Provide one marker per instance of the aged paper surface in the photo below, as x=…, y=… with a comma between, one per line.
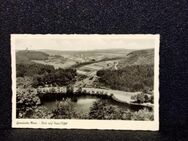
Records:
x=85, y=81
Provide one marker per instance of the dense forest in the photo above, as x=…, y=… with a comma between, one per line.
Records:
x=131, y=78
x=46, y=74
x=32, y=69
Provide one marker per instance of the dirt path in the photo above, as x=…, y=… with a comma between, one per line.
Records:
x=120, y=96
x=115, y=66
x=92, y=71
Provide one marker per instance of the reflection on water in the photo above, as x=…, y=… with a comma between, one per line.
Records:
x=82, y=105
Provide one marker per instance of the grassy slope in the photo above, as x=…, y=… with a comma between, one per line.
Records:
x=139, y=57
x=25, y=57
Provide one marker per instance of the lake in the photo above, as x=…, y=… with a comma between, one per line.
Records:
x=82, y=104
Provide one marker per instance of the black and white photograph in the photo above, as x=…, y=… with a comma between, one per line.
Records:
x=85, y=81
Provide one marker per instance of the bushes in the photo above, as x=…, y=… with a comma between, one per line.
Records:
x=143, y=98
x=24, y=82
x=26, y=101
x=99, y=110
x=41, y=113
x=143, y=114
x=102, y=110
x=131, y=78
x=64, y=110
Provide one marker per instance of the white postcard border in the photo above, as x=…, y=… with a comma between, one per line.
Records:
x=87, y=124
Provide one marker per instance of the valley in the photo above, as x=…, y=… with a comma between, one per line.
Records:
x=127, y=75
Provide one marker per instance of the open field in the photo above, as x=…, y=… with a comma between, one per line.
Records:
x=94, y=67
x=77, y=57
x=57, y=63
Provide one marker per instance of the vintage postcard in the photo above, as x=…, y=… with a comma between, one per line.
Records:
x=85, y=81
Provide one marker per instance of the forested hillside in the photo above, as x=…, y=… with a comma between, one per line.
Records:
x=135, y=72
x=131, y=78
x=41, y=74
x=45, y=74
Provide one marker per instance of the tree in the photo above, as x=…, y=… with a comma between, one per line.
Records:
x=65, y=110
x=141, y=98
x=130, y=78
x=70, y=89
x=79, y=91
x=26, y=101
x=41, y=113
x=143, y=114
x=101, y=110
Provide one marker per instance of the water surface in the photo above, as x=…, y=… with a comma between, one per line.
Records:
x=80, y=104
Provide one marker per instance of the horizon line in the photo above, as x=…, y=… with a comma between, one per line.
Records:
x=84, y=50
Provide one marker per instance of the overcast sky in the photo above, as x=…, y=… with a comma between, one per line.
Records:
x=76, y=43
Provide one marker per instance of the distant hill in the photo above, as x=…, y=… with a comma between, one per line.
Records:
x=118, y=50
x=88, y=55
x=138, y=57
x=27, y=55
